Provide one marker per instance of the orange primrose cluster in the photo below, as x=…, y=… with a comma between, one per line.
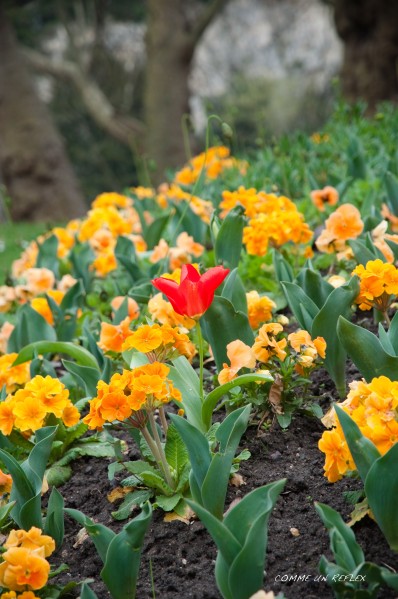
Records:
x=24, y=567
x=212, y=162
x=129, y=395
x=270, y=344
x=378, y=283
x=28, y=408
x=274, y=220
x=373, y=406
x=160, y=343
x=13, y=376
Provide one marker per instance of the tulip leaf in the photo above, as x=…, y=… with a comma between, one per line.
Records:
x=186, y=380
x=366, y=351
x=283, y=271
x=80, y=354
x=315, y=286
x=123, y=557
x=214, y=396
x=235, y=291
x=391, y=183
x=393, y=333
x=87, y=593
x=54, y=522
x=100, y=534
x=325, y=325
x=296, y=298
x=154, y=231
x=30, y=327
x=381, y=488
x=341, y=536
x=221, y=324
x=361, y=252
x=363, y=451
x=228, y=246
x=385, y=340
x=47, y=256
x=85, y=376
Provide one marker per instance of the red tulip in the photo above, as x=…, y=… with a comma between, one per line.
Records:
x=195, y=292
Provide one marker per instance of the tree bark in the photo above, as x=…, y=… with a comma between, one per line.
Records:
x=368, y=29
x=172, y=37
x=33, y=163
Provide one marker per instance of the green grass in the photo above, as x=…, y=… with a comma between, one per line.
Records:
x=14, y=237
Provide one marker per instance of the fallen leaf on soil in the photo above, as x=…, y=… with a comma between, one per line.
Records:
x=44, y=486
x=81, y=536
x=329, y=418
x=275, y=394
x=237, y=480
x=118, y=493
x=186, y=518
x=295, y=532
x=360, y=511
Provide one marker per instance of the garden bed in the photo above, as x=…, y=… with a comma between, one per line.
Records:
x=179, y=557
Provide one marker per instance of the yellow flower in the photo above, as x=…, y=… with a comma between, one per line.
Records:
x=259, y=308
x=240, y=356
x=145, y=339
x=31, y=539
x=23, y=567
x=338, y=457
x=13, y=376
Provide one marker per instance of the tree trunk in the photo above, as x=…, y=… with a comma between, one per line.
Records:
x=33, y=163
x=169, y=56
x=368, y=29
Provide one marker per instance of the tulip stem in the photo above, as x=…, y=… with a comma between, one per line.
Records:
x=201, y=358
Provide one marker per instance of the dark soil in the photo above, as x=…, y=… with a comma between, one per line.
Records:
x=178, y=558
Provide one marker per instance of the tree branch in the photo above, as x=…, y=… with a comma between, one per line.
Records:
x=208, y=14
x=123, y=128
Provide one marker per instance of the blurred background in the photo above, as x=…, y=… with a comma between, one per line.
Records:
x=97, y=95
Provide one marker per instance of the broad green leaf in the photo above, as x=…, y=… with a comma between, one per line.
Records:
x=232, y=428
x=123, y=558
x=57, y=475
x=80, y=354
x=228, y=244
x=186, y=380
x=221, y=324
x=101, y=535
x=235, y=292
x=72, y=298
x=5, y=511
x=391, y=182
x=126, y=256
x=366, y=351
x=325, y=325
x=393, y=333
x=47, y=256
x=363, y=451
x=347, y=542
x=361, y=252
x=131, y=501
x=214, y=396
x=283, y=270
x=85, y=376
x=54, y=522
x=175, y=450
x=155, y=230
x=156, y=481
x=356, y=159
x=296, y=298
x=87, y=593
x=385, y=340
x=197, y=446
x=226, y=542
x=315, y=286
x=167, y=504
x=381, y=488
x=30, y=327
x=81, y=257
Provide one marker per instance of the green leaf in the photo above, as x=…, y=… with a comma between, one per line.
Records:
x=361, y=252
x=366, y=351
x=325, y=324
x=155, y=230
x=385, y=340
x=381, y=488
x=226, y=542
x=155, y=481
x=101, y=535
x=126, y=256
x=80, y=354
x=47, y=256
x=296, y=298
x=30, y=327
x=283, y=270
x=5, y=512
x=184, y=377
x=58, y=475
x=391, y=182
x=87, y=593
x=197, y=445
x=221, y=324
x=167, y=504
x=235, y=292
x=228, y=244
x=315, y=286
x=348, y=554
x=175, y=450
x=393, y=333
x=120, y=571
x=54, y=522
x=363, y=451
x=214, y=396
x=85, y=376
x=130, y=502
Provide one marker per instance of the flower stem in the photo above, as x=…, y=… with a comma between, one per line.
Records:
x=163, y=420
x=387, y=319
x=201, y=357
x=163, y=460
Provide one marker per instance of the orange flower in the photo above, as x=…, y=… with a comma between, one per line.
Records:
x=328, y=195
x=133, y=310
x=115, y=406
x=266, y=345
x=23, y=567
x=259, y=309
x=113, y=336
x=240, y=356
x=5, y=482
x=338, y=457
x=41, y=305
x=29, y=414
x=70, y=415
x=39, y=280
x=31, y=539
x=145, y=339
x=13, y=376
x=7, y=418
